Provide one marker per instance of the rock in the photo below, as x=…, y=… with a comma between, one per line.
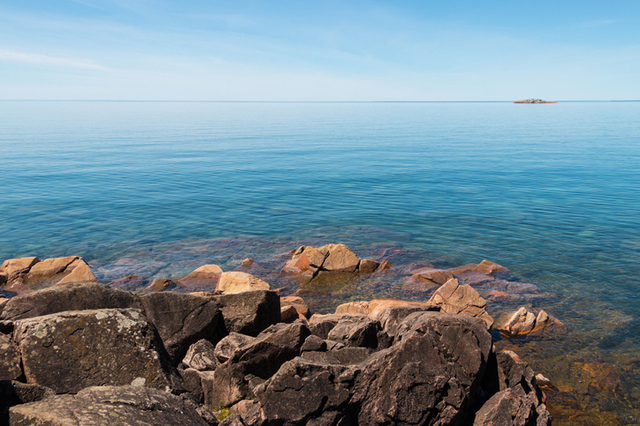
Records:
x=461, y=299
x=288, y=314
x=261, y=358
x=51, y=269
x=248, y=265
x=80, y=272
x=230, y=344
x=249, y=312
x=313, y=343
x=368, y=266
x=14, y=393
x=68, y=297
x=384, y=266
x=183, y=319
x=239, y=282
x=338, y=355
x=232, y=420
x=131, y=282
x=544, y=382
x=526, y=321
x=332, y=258
x=302, y=391
x=512, y=406
x=115, y=405
x=69, y=351
x=9, y=359
x=192, y=379
x=13, y=269
x=201, y=356
x=297, y=302
x=429, y=377
x=205, y=277
x=160, y=284
x=356, y=331
x=534, y=101
x=375, y=309
x=427, y=278
x=249, y=411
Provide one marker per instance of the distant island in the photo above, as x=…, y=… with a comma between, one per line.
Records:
x=533, y=101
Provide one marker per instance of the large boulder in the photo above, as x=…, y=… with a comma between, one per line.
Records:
x=72, y=350
x=14, y=393
x=112, y=405
x=459, y=299
x=182, y=320
x=253, y=363
x=68, y=297
x=239, y=282
x=430, y=376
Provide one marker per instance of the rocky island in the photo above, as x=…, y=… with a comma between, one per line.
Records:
x=225, y=348
x=534, y=101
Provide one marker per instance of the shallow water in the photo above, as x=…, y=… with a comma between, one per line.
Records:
x=550, y=191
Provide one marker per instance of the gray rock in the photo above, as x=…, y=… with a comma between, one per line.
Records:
x=513, y=407
x=321, y=325
x=112, y=405
x=9, y=359
x=261, y=358
x=14, y=393
x=68, y=297
x=228, y=345
x=69, y=351
x=182, y=320
x=314, y=343
x=430, y=376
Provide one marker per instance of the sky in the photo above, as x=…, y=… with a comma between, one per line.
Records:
x=253, y=50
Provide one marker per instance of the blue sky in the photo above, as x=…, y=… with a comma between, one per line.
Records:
x=326, y=50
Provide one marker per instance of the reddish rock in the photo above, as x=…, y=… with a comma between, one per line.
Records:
x=462, y=300
x=368, y=266
x=384, y=266
x=80, y=272
x=307, y=262
x=239, y=282
x=288, y=314
x=131, y=282
x=527, y=321
x=13, y=269
x=297, y=302
x=205, y=277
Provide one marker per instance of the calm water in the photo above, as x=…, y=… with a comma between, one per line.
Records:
x=550, y=191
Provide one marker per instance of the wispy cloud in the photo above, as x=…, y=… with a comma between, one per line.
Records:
x=35, y=58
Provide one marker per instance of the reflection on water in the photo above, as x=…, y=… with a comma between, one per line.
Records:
x=158, y=189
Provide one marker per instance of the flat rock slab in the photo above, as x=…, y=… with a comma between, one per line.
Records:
x=70, y=351
x=68, y=297
x=108, y=405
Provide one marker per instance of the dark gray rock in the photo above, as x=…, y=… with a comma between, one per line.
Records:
x=68, y=297
x=430, y=376
x=69, y=351
x=261, y=358
x=228, y=345
x=249, y=312
x=513, y=407
x=9, y=359
x=182, y=320
x=112, y=405
x=339, y=356
x=193, y=382
x=201, y=356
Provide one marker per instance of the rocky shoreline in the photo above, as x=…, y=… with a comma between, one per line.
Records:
x=219, y=347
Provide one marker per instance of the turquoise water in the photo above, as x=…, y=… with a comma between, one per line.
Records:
x=550, y=191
